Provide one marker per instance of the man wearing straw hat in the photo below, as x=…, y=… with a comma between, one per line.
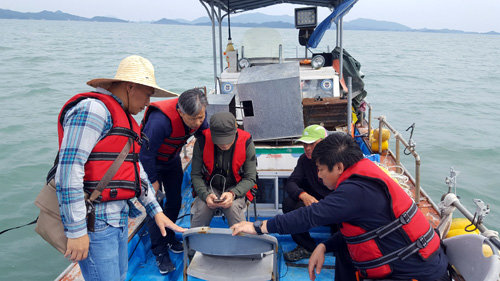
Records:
x=168, y=124
x=94, y=129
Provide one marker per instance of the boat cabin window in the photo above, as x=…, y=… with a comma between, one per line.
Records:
x=317, y=88
x=270, y=194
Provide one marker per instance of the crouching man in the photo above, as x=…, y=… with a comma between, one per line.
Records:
x=370, y=206
x=223, y=171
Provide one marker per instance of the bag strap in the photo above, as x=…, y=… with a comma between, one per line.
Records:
x=110, y=173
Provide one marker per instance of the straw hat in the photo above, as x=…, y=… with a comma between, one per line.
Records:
x=135, y=69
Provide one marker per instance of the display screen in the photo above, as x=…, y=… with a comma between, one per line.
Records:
x=305, y=17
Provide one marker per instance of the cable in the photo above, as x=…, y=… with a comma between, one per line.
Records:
x=16, y=227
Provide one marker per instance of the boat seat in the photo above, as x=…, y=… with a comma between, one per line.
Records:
x=221, y=256
x=465, y=253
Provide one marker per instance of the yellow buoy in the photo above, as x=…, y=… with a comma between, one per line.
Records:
x=386, y=134
x=374, y=145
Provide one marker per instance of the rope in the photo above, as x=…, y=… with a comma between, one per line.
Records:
x=400, y=177
x=16, y=227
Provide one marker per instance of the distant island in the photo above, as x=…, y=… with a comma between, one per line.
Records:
x=243, y=20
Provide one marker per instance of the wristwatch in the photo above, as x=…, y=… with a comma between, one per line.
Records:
x=257, y=225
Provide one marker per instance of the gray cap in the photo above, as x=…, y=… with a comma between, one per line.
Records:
x=222, y=127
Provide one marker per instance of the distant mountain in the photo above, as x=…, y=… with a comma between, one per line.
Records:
x=241, y=20
x=47, y=15
x=167, y=21
x=106, y=19
x=368, y=24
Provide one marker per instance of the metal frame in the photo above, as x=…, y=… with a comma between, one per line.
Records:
x=238, y=6
x=217, y=241
x=399, y=139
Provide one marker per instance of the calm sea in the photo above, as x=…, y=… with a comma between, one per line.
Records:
x=445, y=83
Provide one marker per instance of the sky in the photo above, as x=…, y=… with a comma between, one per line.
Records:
x=476, y=15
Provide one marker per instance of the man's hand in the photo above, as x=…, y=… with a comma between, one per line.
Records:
x=227, y=198
x=210, y=201
x=77, y=249
x=162, y=221
x=316, y=261
x=244, y=226
x=156, y=186
x=307, y=199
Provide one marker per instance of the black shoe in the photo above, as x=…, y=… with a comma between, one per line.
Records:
x=175, y=246
x=297, y=254
x=164, y=263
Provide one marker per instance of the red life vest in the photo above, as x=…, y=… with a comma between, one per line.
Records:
x=239, y=155
x=409, y=220
x=126, y=182
x=173, y=144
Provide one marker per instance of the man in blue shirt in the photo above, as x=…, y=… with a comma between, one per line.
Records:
x=168, y=124
x=365, y=199
x=87, y=130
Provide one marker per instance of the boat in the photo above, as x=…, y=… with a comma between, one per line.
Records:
x=265, y=92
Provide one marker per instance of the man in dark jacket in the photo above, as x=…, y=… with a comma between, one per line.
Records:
x=168, y=124
x=305, y=188
x=366, y=200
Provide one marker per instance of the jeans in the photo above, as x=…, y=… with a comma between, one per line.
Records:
x=108, y=254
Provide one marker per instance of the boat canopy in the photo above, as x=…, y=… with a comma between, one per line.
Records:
x=337, y=14
x=238, y=6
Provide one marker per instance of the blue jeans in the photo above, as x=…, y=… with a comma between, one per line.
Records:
x=108, y=254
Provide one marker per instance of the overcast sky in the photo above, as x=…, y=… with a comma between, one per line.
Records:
x=477, y=15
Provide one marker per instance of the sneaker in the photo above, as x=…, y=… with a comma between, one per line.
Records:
x=297, y=254
x=175, y=247
x=164, y=263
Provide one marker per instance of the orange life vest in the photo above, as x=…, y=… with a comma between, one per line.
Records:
x=409, y=220
x=173, y=144
x=239, y=155
x=126, y=183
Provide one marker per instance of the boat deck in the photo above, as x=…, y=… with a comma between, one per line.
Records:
x=142, y=263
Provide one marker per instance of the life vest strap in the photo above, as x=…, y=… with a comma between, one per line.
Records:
x=111, y=184
x=126, y=132
x=401, y=254
x=180, y=138
x=385, y=230
x=111, y=156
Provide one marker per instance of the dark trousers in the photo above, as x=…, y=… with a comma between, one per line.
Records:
x=171, y=180
x=303, y=239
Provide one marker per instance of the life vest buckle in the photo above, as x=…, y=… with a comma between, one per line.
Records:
x=113, y=193
x=405, y=218
x=422, y=242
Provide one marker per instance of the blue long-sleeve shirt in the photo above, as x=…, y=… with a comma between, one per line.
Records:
x=157, y=129
x=360, y=202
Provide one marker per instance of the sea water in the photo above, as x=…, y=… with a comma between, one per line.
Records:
x=447, y=84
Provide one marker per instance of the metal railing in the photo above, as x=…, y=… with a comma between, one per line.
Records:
x=399, y=140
